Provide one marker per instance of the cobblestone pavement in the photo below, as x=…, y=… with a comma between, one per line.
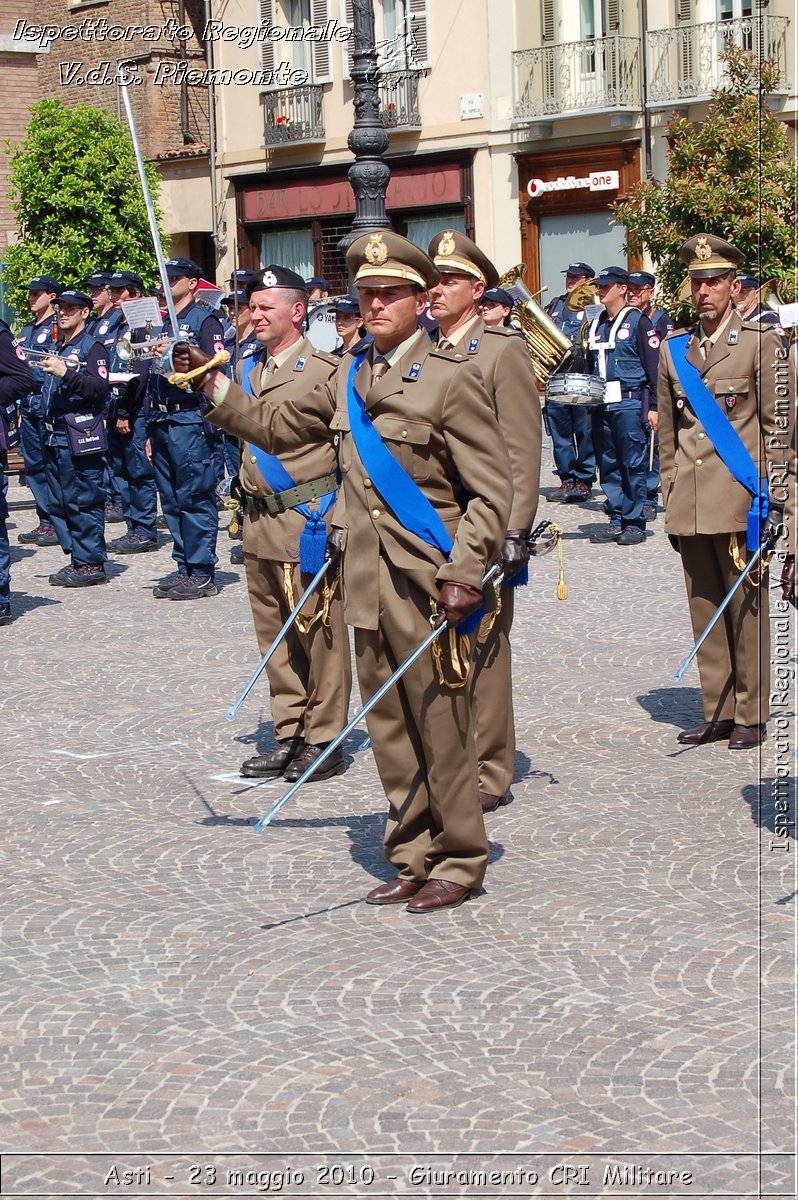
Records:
x=177, y=985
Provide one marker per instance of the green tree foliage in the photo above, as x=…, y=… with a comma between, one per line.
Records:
x=77, y=199
x=733, y=176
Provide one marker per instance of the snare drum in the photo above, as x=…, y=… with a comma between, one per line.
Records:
x=574, y=389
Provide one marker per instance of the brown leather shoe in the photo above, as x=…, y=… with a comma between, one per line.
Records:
x=745, y=737
x=439, y=893
x=335, y=764
x=262, y=766
x=490, y=802
x=395, y=892
x=710, y=731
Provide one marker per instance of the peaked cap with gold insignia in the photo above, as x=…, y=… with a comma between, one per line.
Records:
x=388, y=256
x=455, y=254
x=706, y=255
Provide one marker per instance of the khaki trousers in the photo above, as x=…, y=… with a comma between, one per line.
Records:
x=423, y=742
x=310, y=675
x=734, y=662
x=492, y=702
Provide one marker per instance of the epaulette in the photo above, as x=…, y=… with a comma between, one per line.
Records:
x=501, y=330
x=331, y=359
x=449, y=355
x=757, y=326
x=678, y=332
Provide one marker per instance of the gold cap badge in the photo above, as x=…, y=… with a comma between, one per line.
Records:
x=703, y=250
x=375, y=251
x=446, y=244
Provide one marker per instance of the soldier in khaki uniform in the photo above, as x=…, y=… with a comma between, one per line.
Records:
x=310, y=674
x=746, y=370
x=509, y=378
x=435, y=419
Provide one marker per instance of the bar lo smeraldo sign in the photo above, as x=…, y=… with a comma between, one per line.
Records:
x=596, y=181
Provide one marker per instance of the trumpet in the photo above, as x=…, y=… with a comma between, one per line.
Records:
x=71, y=359
x=130, y=351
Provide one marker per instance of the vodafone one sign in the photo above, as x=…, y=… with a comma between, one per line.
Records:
x=597, y=181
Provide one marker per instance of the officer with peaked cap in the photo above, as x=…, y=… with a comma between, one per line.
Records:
x=508, y=375
x=76, y=393
x=40, y=334
x=725, y=382
x=287, y=505
x=569, y=425
x=182, y=449
x=435, y=422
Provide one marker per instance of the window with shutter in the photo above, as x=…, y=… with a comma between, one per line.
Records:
x=266, y=16
x=322, y=51
x=548, y=21
x=548, y=25
x=418, y=12
x=684, y=17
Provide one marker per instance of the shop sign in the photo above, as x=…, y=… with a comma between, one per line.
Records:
x=410, y=187
x=596, y=181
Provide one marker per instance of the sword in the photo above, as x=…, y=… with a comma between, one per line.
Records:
x=491, y=575
x=295, y=611
x=754, y=559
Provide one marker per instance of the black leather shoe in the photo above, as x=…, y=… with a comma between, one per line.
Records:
x=631, y=536
x=610, y=533
x=262, y=766
x=5, y=614
x=710, y=731
x=334, y=765
x=746, y=737
x=490, y=802
x=395, y=892
x=237, y=556
x=439, y=893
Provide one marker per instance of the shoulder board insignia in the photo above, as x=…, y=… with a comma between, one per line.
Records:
x=299, y=365
x=732, y=340
x=473, y=345
x=415, y=369
x=328, y=357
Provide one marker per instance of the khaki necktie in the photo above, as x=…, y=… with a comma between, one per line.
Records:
x=379, y=367
x=271, y=367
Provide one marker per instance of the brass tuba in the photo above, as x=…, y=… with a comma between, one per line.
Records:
x=548, y=346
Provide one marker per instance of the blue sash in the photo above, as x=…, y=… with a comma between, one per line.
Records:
x=313, y=542
x=724, y=437
x=402, y=495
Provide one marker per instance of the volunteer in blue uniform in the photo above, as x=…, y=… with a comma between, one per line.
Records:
x=76, y=393
x=182, y=450
x=105, y=325
x=40, y=335
x=750, y=309
x=569, y=425
x=127, y=432
x=349, y=327
x=624, y=350
x=16, y=380
x=640, y=294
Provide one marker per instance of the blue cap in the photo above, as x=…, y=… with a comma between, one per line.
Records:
x=347, y=305
x=237, y=297
x=748, y=281
x=45, y=283
x=126, y=279
x=579, y=268
x=242, y=275
x=499, y=296
x=99, y=279
x=317, y=281
x=72, y=296
x=608, y=275
x=177, y=268
x=642, y=278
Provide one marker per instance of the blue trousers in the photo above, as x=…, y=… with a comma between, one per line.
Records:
x=621, y=441
x=5, y=549
x=572, y=442
x=31, y=445
x=185, y=473
x=77, y=501
x=135, y=477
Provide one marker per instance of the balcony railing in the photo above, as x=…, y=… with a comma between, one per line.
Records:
x=684, y=62
x=599, y=73
x=293, y=115
x=399, y=100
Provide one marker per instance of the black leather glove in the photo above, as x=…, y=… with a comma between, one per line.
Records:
x=674, y=541
x=788, y=581
x=515, y=552
x=774, y=523
x=456, y=601
x=335, y=545
x=187, y=358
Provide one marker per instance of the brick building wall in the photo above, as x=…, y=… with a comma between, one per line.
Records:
x=19, y=73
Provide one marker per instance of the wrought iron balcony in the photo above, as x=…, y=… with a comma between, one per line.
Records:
x=399, y=100
x=575, y=77
x=684, y=62
x=293, y=115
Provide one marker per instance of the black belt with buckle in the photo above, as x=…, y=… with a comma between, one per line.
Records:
x=281, y=502
x=171, y=408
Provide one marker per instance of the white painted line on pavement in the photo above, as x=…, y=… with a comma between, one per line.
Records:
x=242, y=781
x=117, y=753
